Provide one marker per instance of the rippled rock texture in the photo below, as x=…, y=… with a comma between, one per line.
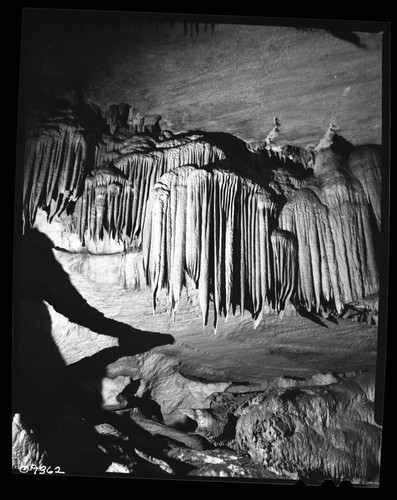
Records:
x=324, y=431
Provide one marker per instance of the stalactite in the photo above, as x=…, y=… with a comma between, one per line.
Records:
x=284, y=267
x=174, y=152
x=350, y=226
x=113, y=192
x=143, y=161
x=365, y=163
x=171, y=198
x=307, y=218
x=178, y=258
x=242, y=211
x=301, y=155
x=213, y=222
x=103, y=205
x=194, y=222
x=157, y=236
x=204, y=272
x=143, y=164
x=229, y=245
x=166, y=218
x=113, y=118
x=264, y=269
x=100, y=194
x=54, y=167
x=330, y=219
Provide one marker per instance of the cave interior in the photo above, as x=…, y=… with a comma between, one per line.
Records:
x=201, y=232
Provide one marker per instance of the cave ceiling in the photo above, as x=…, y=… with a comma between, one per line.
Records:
x=211, y=74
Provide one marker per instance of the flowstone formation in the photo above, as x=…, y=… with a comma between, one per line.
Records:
x=330, y=217
x=56, y=157
x=253, y=228
x=245, y=230
x=215, y=226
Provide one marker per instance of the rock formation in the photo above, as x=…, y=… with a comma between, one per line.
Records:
x=216, y=226
x=330, y=217
x=365, y=164
x=56, y=158
x=320, y=430
x=239, y=228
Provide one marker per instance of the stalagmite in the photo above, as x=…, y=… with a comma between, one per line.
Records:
x=327, y=140
x=273, y=134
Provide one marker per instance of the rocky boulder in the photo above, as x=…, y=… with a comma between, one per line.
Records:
x=313, y=432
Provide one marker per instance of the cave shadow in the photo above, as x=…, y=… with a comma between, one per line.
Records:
x=348, y=36
x=84, y=414
x=154, y=445
x=310, y=315
x=237, y=148
x=37, y=362
x=42, y=383
x=255, y=166
x=43, y=278
x=40, y=279
x=228, y=142
x=73, y=442
x=342, y=34
x=69, y=432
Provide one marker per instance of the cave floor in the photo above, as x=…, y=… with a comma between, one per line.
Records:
x=293, y=346
x=242, y=357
